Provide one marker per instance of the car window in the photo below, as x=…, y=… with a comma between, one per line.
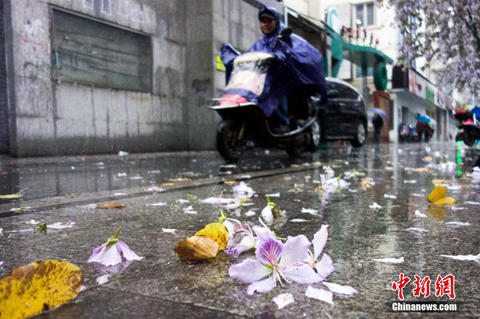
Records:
x=344, y=92
x=347, y=93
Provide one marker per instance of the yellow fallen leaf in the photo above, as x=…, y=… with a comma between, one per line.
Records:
x=439, y=181
x=437, y=211
x=180, y=179
x=427, y=158
x=244, y=200
x=30, y=289
x=420, y=170
x=229, y=182
x=217, y=232
x=437, y=193
x=437, y=196
x=14, y=196
x=110, y=205
x=196, y=248
x=366, y=183
x=167, y=184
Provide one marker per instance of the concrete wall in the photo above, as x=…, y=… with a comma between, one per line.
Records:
x=49, y=117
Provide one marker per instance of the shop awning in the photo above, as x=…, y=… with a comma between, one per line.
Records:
x=357, y=54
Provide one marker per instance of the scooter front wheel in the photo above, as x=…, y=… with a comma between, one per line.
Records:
x=230, y=140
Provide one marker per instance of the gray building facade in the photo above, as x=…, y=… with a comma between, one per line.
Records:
x=99, y=76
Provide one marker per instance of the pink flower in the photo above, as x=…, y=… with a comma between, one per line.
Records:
x=278, y=262
x=113, y=252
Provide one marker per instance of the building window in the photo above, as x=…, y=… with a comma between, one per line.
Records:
x=89, y=52
x=358, y=71
x=365, y=14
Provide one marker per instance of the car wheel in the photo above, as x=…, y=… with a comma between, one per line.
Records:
x=360, y=135
x=230, y=141
x=314, y=136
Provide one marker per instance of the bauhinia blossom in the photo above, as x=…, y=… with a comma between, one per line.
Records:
x=113, y=252
x=277, y=262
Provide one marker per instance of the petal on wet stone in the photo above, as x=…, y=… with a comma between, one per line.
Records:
x=249, y=270
x=295, y=250
x=340, y=289
x=319, y=294
x=319, y=241
x=325, y=266
x=302, y=273
x=126, y=252
x=261, y=286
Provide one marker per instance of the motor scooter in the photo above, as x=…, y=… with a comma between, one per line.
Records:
x=469, y=125
x=243, y=122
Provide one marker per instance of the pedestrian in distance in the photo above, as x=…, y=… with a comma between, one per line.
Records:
x=377, y=122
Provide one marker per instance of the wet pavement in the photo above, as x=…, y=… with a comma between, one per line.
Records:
x=161, y=286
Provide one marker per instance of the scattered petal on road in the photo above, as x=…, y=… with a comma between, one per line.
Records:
x=158, y=204
x=103, y=279
x=390, y=260
x=182, y=201
x=168, y=230
x=309, y=211
x=417, y=229
x=319, y=294
x=463, y=257
x=339, y=289
x=250, y=213
x=458, y=224
x=420, y=214
x=390, y=196
x=273, y=195
x=375, y=206
x=299, y=220
x=472, y=203
x=60, y=225
x=283, y=300
x=32, y=222
x=458, y=208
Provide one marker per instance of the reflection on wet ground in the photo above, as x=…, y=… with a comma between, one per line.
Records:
x=404, y=225
x=74, y=175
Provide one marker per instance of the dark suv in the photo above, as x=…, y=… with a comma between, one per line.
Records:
x=344, y=116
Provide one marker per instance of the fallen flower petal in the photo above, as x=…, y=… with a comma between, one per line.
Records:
x=309, y=211
x=261, y=286
x=60, y=225
x=242, y=190
x=458, y=224
x=319, y=294
x=250, y=213
x=160, y=204
x=298, y=220
x=168, y=230
x=283, y=300
x=417, y=229
x=375, y=206
x=389, y=196
x=390, y=260
x=32, y=222
x=182, y=201
x=102, y=279
x=277, y=195
x=420, y=214
x=472, y=203
x=339, y=289
x=463, y=257
x=113, y=252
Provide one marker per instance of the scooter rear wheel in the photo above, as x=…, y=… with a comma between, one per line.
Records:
x=230, y=141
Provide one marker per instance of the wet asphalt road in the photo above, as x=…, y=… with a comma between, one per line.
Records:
x=161, y=286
